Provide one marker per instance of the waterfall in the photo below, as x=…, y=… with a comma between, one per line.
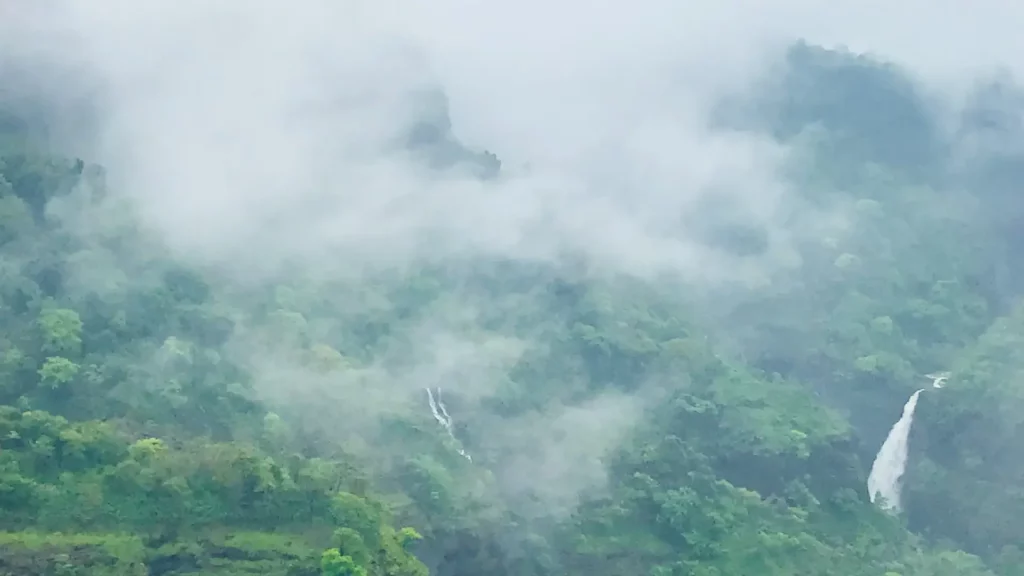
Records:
x=939, y=379
x=440, y=412
x=886, y=475
x=891, y=461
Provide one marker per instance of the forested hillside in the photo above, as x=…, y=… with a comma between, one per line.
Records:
x=474, y=415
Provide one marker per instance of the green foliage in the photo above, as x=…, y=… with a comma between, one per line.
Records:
x=61, y=331
x=57, y=372
x=31, y=553
x=973, y=463
x=334, y=564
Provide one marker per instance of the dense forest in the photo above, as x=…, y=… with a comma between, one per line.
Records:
x=483, y=416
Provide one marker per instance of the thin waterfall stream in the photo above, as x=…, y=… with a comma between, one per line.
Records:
x=440, y=413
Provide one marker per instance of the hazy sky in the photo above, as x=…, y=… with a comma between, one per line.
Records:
x=257, y=127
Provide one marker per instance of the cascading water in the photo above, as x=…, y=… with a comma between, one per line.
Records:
x=891, y=461
x=939, y=378
x=440, y=412
x=885, y=479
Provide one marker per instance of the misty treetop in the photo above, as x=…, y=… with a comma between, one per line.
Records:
x=163, y=416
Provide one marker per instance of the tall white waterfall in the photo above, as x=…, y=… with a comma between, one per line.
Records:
x=885, y=479
x=891, y=461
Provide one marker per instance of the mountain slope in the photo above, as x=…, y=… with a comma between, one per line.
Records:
x=163, y=417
